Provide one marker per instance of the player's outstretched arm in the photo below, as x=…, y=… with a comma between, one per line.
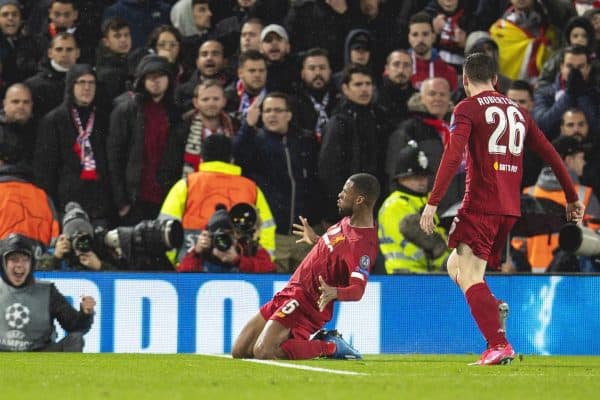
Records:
x=305, y=231
x=575, y=211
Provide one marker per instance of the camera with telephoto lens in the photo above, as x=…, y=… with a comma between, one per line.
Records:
x=77, y=227
x=149, y=237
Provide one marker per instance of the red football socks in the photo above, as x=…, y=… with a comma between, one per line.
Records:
x=300, y=349
x=484, y=308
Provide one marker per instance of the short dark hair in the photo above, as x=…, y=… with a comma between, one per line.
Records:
x=114, y=24
x=207, y=83
x=280, y=95
x=479, y=67
x=194, y=2
x=352, y=69
x=403, y=51
x=64, y=36
x=217, y=147
x=520, y=84
x=367, y=185
x=254, y=20
x=315, y=52
x=575, y=50
x=573, y=110
x=253, y=55
x=71, y=2
x=421, y=17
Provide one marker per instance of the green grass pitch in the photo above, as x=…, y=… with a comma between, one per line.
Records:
x=185, y=376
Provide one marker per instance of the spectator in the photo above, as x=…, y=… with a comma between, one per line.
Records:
x=426, y=61
x=452, y=22
x=192, y=200
x=139, y=127
x=19, y=51
x=540, y=249
x=282, y=160
x=428, y=128
x=19, y=198
x=183, y=151
x=482, y=42
x=397, y=87
x=63, y=16
x=17, y=117
x=574, y=86
x=228, y=30
x=359, y=48
x=164, y=41
x=355, y=137
x=404, y=246
x=375, y=17
x=320, y=23
x=112, y=69
x=574, y=123
x=578, y=32
x=48, y=85
x=281, y=69
x=222, y=247
x=528, y=24
x=21, y=294
x=521, y=92
x=594, y=16
x=70, y=152
x=143, y=16
x=250, y=86
x=249, y=40
x=315, y=94
x=210, y=65
x=203, y=32
x=190, y=17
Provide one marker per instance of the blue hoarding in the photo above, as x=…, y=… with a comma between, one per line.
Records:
x=203, y=313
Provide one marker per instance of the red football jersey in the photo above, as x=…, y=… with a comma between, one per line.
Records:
x=343, y=252
x=496, y=131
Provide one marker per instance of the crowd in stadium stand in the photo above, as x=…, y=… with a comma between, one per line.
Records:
x=108, y=104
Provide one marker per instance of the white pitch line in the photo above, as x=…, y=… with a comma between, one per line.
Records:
x=294, y=366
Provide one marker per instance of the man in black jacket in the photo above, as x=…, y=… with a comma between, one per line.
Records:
x=355, y=137
x=70, y=155
x=48, y=85
x=17, y=117
x=139, y=127
x=315, y=95
x=396, y=88
x=32, y=306
x=19, y=52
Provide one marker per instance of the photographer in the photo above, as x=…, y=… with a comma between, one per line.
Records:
x=76, y=248
x=228, y=244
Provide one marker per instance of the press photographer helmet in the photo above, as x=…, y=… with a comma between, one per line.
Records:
x=76, y=225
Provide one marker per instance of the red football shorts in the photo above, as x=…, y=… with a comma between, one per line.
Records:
x=291, y=308
x=485, y=234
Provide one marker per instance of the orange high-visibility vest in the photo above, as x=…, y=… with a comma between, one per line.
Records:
x=540, y=248
x=27, y=210
x=206, y=189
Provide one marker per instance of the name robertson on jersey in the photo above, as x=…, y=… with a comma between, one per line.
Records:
x=487, y=100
